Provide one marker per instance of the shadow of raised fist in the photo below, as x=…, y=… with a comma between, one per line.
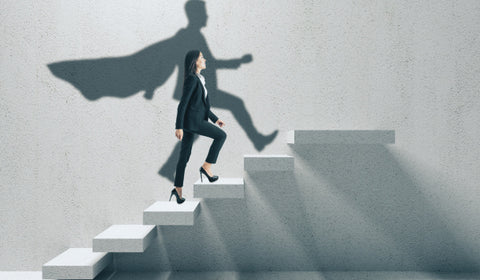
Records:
x=246, y=58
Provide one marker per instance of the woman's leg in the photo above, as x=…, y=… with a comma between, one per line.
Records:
x=185, y=151
x=169, y=167
x=218, y=135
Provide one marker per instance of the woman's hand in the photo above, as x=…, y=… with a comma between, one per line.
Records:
x=220, y=123
x=179, y=133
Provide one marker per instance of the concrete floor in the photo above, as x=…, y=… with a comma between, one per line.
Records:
x=268, y=275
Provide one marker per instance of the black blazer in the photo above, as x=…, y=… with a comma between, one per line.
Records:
x=193, y=108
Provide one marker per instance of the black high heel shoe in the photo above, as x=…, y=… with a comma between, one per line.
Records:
x=211, y=179
x=179, y=200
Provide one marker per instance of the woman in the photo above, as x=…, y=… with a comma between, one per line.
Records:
x=192, y=117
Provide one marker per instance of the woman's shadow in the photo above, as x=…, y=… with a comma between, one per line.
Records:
x=152, y=66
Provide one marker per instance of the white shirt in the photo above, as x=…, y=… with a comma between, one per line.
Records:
x=202, y=79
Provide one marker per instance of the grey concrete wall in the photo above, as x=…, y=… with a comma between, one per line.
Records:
x=79, y=154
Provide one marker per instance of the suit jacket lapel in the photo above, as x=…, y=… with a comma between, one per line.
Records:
x=207, y=102
x=203, y=91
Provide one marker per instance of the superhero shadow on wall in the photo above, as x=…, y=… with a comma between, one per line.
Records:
x=152, y=66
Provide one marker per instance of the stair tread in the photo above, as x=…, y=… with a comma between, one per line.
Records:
x=221, y=181
x=172, y=206
x=124, y=238
x=341, y=137
x=126, y=232
x=77, y=257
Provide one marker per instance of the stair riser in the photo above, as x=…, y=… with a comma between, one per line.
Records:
x=219, y=191
x=170, y=219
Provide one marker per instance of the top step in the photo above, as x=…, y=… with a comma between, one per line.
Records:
x=299, y=137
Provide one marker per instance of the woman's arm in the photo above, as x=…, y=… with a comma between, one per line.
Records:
x=212, y=116
x=188, y=87
x=215, y=119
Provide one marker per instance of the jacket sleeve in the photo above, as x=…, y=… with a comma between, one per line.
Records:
x=212, y=116
x=188, y=87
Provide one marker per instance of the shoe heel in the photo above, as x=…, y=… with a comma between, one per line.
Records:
x=210, y=179
x=201, y=178
x=179, y=200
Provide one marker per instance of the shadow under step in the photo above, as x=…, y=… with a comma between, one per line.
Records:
x=171, y=213
x=222, y=188
x=125, y=239
x=76, y=263
x=341, y=137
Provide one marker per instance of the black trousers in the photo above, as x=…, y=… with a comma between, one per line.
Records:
x=206, y=129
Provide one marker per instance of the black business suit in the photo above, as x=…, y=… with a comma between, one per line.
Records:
x=192, y=116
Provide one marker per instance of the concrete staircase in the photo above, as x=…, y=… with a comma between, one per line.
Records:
x=87, y=263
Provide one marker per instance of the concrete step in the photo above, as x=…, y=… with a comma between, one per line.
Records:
x=125, y=238
x=222, y=188
x=268, y=163
x=171, y=213
x=76, y=263
x=341, y=137
x=21, y=275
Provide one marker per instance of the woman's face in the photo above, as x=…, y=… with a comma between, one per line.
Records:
x=201, y=63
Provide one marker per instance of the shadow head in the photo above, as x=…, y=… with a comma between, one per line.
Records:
x=196, y=13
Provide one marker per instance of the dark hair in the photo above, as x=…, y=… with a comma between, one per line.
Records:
x=191, y=62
